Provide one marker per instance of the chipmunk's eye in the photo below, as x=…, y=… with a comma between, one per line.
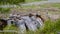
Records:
x=11, y=22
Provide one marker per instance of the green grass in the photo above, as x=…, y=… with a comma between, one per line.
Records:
x=12, y=27
x=32, y=0
x=50, y=27
x=56, y=5
x=4, y=10
x=51, y=5
x=32, y=7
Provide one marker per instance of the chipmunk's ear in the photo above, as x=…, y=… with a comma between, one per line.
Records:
x=37, y=15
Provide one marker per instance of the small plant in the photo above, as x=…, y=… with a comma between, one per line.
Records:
x=11, y=1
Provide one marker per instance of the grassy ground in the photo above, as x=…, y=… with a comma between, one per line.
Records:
x=57, y=5
x=53, y=6
x=50, y=27
x=31, y=0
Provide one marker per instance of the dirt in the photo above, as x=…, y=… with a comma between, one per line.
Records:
x=45, y=13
